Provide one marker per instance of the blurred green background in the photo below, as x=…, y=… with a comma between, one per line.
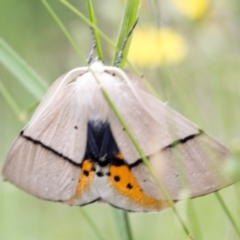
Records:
x=204, y=86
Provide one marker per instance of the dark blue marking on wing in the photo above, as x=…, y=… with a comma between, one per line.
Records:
x=101, y=146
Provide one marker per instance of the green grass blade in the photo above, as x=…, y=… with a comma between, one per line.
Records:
x=192, y=219
x=95, y=32
x=87, y=21
x=22, y=71
x=65, y=31
x=21, y=114
x=130, y=17
x=156, y=10
x=9, y=99
x=228, y=214
x=93, y=225
x=123, y=224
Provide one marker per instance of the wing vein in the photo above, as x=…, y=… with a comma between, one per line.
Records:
x=39, y=143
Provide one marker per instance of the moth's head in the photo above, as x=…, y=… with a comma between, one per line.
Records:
x=97, y=66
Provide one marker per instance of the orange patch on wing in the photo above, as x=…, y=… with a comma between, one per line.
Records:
x=119, y=156
x=123, y=180
x=85, y=179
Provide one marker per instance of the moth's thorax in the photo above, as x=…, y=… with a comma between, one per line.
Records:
x=89, y=93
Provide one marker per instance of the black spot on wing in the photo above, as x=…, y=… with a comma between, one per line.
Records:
x=116, y=178
x=100, y=174
x=86, y=173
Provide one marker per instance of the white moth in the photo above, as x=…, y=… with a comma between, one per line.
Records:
x=74, y=149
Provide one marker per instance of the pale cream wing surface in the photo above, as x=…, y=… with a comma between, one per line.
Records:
x=40, y=172
x=62, y=126
x=153, y=124
x=182, y=156
x=56, y=87
x=44, y=160
x=195, y=167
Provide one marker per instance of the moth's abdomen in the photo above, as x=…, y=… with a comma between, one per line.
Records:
x=106, y=174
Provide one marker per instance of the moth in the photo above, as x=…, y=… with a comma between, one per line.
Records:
x=74, y=150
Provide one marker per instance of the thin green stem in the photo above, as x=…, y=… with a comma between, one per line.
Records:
x=22, y=71
x=156, y=9
x=123, y=224
x=95, y=32
x=97, y=232
x=193, y=219
x=10, y=100
x=86, y=20
x=127, y=225
x=129, y=18
x=228, y=214
x=66, y=33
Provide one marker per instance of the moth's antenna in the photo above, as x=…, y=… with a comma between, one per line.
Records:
x=90, y=56
x=120, y=55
